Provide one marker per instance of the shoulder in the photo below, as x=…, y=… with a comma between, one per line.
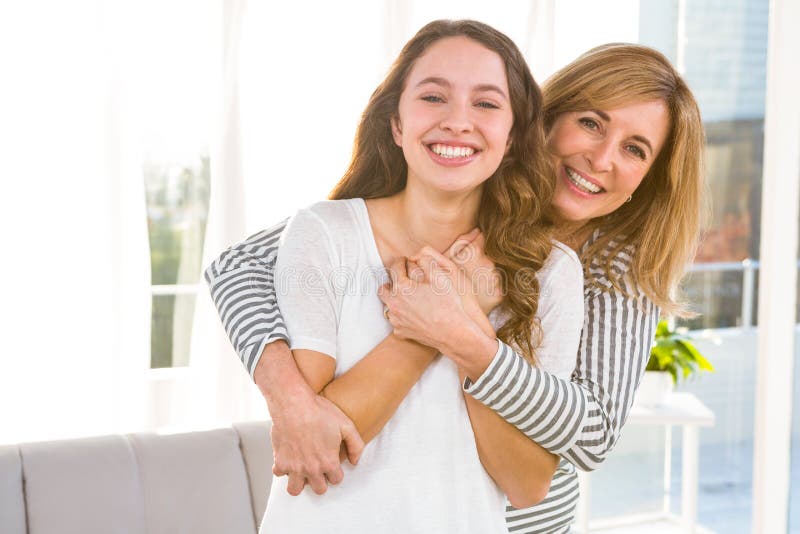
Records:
x=329, y=219
x=329, y=233
x=608, y=263
x=562, y=264
x=328, y=212
x=611, y=248
x=561, y=282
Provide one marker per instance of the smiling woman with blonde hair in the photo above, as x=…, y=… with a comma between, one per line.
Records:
x=663, y=217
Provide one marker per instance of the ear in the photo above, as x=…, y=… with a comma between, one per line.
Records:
x=397, y=131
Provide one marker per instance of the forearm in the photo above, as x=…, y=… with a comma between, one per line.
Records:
x=279, y=380
x=473, y=344
x=579, y=419
x=310, y=436
x=520, y=467
x=370, y=392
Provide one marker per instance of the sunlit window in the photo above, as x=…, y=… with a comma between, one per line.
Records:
x=176, y=90
x=177, y=210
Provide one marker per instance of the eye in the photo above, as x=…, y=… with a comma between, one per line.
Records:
x=487, y=105
x=636, y=151
x=589, y=123
x=433, y=99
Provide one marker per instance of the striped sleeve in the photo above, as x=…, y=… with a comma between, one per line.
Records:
x=579, y=419
x=555, y=513
x=242, y=286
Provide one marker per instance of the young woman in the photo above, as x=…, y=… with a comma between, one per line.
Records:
x=450, y=140
x=614, y=197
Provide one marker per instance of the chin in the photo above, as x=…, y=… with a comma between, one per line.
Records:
x=458, y=187
x=570, y=213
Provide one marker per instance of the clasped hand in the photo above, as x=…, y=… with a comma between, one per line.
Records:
x=433, y=297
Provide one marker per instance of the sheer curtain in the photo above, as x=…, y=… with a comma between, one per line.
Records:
x=75, y=253
x=220, y=390
x=288, y=88
x=292, y=88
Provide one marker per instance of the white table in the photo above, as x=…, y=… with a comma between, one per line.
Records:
x=682, y=409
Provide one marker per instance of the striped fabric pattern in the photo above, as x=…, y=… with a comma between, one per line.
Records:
x=579, y=419
x=243, y=289
x=555, y=513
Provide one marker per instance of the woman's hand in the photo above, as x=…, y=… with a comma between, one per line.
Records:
x=427, y=302
x=309, y=432
x=483, y=280
x=423, y=300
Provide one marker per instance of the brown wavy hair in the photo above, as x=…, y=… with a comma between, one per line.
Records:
x=511, y=213
x=662, y=222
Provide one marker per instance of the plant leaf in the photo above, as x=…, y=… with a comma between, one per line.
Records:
x=674, y=374
x=695, y=354
x=662, y=330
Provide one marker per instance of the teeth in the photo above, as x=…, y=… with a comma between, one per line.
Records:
x=581, y=182
x=452, y=151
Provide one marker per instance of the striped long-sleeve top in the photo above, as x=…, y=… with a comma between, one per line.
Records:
x=578, y=419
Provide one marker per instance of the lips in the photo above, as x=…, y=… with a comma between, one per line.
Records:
x=582, y=183
x=450, y=151
x=452, y=154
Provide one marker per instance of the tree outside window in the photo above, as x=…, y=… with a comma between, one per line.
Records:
x=177, y=211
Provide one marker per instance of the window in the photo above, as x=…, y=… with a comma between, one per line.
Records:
x=175, y=90
x=177, y=209
x=721, y=50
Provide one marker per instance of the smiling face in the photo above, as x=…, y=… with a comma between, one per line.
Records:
x=601, y=156
x=454, y=116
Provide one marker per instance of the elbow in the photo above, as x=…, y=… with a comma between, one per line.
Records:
x=529, y=494
x=588, y=468
x=588, y=465
x=533, y=488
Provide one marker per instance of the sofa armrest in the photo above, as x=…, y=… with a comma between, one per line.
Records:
x=12, y=500
x=254, y=440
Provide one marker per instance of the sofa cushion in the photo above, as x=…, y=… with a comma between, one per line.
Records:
x=82, y=486
x=12, y=502
x=194, y=483
x=257, y=453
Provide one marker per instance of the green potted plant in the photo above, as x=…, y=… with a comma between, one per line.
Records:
x=673, y=357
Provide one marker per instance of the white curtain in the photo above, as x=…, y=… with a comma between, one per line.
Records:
x=75, y=254
x=276, y=104
x=286, y=87
x=221, y=391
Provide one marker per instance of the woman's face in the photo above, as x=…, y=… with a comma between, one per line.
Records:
x=454, y=116
x=601, y=156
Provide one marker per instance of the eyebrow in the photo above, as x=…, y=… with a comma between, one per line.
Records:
x=603, y=115
x=480, y=87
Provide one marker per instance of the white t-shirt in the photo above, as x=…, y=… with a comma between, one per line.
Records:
x=422, y=472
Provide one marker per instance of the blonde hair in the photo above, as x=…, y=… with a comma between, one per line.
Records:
x=662, y=222
x=522, y=184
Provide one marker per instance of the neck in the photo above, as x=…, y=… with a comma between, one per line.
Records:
x=572, y=233
x=434, y=218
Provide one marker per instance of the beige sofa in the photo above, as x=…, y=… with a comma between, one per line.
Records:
x=211, y=482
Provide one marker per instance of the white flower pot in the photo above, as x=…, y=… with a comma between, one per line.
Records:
x=655, y=389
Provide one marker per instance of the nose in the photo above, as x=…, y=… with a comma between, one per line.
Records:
x=456, y=118
x=600, y=156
